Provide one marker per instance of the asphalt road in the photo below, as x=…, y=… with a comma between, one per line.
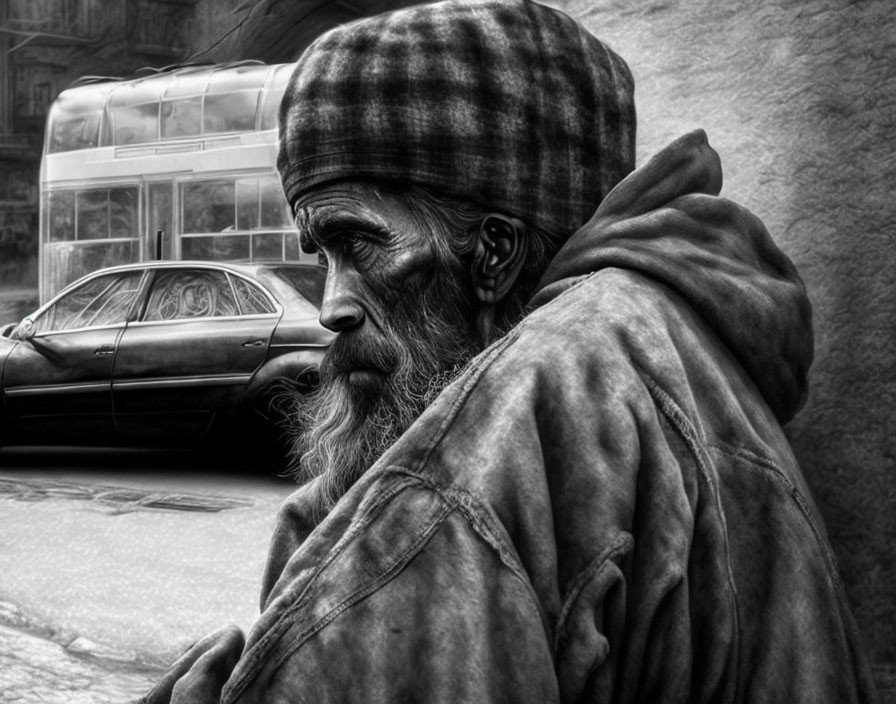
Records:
x=114, y=562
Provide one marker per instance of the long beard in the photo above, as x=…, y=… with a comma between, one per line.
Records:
x=341, y=429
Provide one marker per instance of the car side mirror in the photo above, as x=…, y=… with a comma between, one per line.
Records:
x=25, y=330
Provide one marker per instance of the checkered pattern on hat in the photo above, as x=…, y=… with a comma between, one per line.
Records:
x=506, y=103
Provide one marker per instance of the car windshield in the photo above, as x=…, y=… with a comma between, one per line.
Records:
x=307, y=280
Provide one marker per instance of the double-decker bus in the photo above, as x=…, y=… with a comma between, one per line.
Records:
x=178, y=164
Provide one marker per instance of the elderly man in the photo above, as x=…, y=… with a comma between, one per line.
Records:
x=598, y=502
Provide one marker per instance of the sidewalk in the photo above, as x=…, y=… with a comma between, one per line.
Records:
x=105, y=578
x=36, y=670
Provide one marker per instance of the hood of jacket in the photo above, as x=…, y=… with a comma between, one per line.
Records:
x=666, y=220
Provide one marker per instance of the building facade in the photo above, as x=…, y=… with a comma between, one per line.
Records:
x=44, y=46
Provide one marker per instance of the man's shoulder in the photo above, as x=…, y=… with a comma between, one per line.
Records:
x=620, y=317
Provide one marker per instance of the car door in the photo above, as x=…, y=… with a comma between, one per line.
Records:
x=190, y=354
x=57, y=381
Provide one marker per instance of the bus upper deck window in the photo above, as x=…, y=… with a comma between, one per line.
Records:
x=272, y=95
x=181, y=118
x=135, y=124
x=75, y=118
x=70, y=132
x=230, y=112
x=270, y=108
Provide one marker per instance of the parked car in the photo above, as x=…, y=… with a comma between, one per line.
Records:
x=161, y=353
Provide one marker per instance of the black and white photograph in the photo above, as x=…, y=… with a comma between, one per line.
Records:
x=447, y=351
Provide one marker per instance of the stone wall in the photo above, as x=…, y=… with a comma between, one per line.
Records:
x=799, y=99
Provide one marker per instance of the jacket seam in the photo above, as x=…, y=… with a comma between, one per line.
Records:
x=281, y=625
x=686, y=430
x=483, y=524
x=479, y=366
x=472, y=509
x=368, y=587
x=760, y=463
x=455, y=500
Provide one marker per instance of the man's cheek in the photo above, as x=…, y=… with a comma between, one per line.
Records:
x=409, y=270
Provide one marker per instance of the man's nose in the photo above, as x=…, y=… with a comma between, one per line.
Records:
x=341, y=309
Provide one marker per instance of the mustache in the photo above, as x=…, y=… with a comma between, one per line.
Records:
x=352, y=351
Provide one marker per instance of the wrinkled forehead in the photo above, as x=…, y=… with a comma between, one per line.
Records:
x=327, y=211
x=335, y=194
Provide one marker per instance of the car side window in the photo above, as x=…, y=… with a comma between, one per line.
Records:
x=252, y=299
x=104, y=300
x=180, y=294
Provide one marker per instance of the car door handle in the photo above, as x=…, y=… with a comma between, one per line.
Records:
x=104, y=351
x=254, y=343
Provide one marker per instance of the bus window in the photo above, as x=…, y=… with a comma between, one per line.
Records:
x=104, y=213
x=75, y=132
x=75, y=118
x=181, y=118
x=208, y=206
x=274, y=209
x=272, y=95
x=135, y=124
x=230, y=112
x=270, y=109
x=260, y=204
x=291, y=249
x=92, y=209
x=247, y=203
x=218, y=247
x=161, y=217
x=122, y=212
x=267, y=246
x=60, y=216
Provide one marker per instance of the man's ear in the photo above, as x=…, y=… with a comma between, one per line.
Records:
x=500, y=253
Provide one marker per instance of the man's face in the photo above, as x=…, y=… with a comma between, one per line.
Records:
x=403, y=314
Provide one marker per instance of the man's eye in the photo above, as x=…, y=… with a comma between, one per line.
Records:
x=355, y=246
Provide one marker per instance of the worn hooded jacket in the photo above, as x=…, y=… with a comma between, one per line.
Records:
x=602, y=508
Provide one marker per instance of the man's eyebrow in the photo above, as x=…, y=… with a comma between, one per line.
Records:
x=330, y=226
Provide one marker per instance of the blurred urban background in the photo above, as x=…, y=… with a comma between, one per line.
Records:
x=45, y=45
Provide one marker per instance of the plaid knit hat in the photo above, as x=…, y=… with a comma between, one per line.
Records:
x=506, y=103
